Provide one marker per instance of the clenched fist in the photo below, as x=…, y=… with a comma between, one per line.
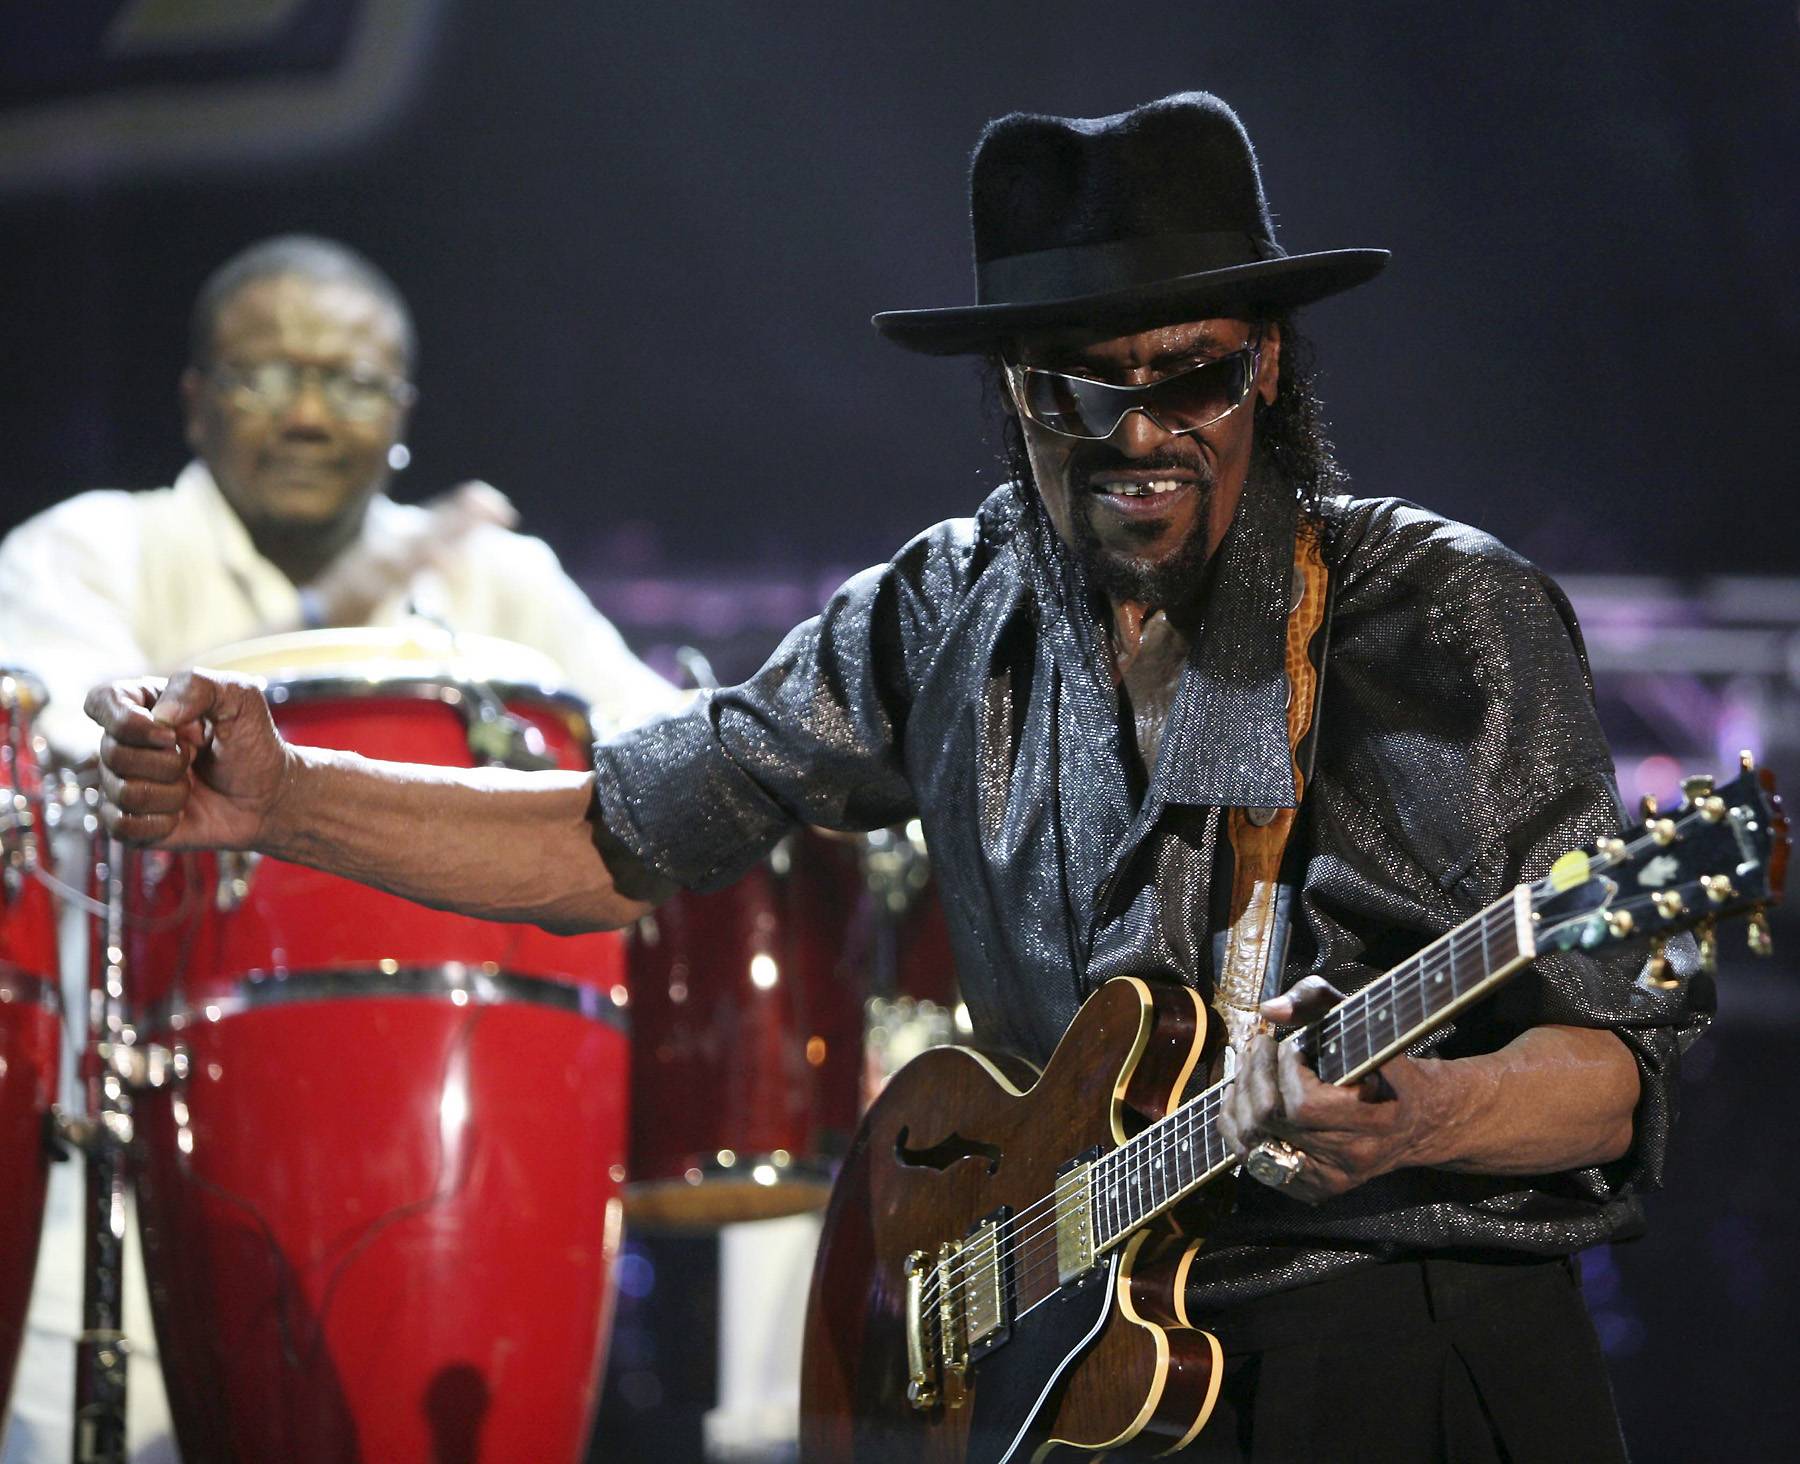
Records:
x=193, y=762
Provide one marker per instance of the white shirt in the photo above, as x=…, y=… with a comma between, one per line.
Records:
x=112, y=583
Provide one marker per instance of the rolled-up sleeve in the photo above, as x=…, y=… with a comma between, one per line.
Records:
x=814, y=737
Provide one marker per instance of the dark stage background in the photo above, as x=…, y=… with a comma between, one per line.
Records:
x=642, y=244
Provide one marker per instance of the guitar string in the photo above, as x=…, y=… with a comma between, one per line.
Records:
x=1124, y=1191
x=1502, y=916
x=1139, y=1155
x=1175, y=1134
x=966, y=1261
x=1139, y=1152
x=1026, y=1270
x=1032, y=1256
x=1157, y=1150
x=1152, y=1152
x=1196, y=1115
x=1406, y=987
x=1399, y=990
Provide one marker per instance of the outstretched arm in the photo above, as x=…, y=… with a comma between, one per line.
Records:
x=197, y=763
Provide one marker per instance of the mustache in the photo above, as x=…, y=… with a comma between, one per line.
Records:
x=1099, y=457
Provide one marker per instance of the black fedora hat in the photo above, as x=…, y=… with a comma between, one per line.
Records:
x=1133, y=220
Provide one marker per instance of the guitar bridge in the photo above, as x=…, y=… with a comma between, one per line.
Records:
x=957, y=1311
x=936, y=1337
x=921, y=1355
x=953, y=1342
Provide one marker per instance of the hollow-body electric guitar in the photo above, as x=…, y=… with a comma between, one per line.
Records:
x=999, y=1277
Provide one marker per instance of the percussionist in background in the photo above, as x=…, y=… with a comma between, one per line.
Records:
x=295, y=399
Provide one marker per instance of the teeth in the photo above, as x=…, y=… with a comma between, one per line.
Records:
x=1140, y=490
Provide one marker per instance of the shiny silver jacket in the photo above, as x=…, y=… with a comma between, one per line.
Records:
x=968, y=683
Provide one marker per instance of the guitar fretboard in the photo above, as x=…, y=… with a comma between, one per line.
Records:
x=1177, y=1154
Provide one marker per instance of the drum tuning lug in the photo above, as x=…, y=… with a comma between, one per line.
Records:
x=68, y=1134
x=61, y=1135
x=163, y=1065
x=236, y=866
x=125, y=1061
x=498, y=738
x=144, y=1065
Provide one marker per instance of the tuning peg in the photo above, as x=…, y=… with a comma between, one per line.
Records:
x=1663, y=831
x=1656, y=969
x=1708, y=939
x=1761, y=942
x=1668, y=903
x=1696, y=787
x=1610, y=849
x=1747, y=760
x=1718, y=887
x=1647, y=808
x=1619, y=923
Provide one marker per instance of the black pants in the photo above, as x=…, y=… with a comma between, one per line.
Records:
x=1451, y=1360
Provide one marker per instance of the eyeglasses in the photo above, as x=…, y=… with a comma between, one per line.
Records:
x=1077, y=406
x=353, y=393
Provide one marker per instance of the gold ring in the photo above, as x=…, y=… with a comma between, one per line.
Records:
x=1274, y=1162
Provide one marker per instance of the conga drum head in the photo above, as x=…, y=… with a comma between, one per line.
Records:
x=380, y=1194
x=379, y=652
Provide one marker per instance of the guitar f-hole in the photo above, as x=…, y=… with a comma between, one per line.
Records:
x=949, y=1150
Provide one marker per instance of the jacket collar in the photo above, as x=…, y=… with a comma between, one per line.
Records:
x=1226, y=741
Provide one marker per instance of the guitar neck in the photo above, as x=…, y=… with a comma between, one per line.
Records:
x=1182, y=1151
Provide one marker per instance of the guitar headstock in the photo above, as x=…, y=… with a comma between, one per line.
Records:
x=1721, y=853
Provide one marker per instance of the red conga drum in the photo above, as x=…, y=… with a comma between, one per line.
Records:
x=29, y=1007
x=380, y=1188
x=747, y=1035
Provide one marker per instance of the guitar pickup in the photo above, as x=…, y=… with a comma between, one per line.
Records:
x=1074, y=1222
x=986, y=1314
